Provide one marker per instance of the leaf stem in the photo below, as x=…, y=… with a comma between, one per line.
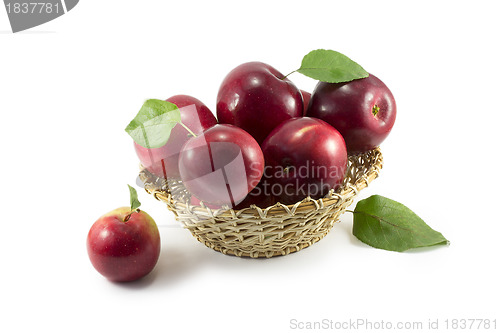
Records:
x=290, y=74
x=188, y=129
x=127, y=217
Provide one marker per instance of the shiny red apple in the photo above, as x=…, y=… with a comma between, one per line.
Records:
x=255, y=97
x=363, y=111
x=304, y=157
x=163, y=162
x=124, y=246
x=222, y=165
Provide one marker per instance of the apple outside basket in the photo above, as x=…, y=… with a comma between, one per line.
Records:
x=266, y=232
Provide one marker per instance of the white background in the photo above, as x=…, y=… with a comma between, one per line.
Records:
x=69, y=87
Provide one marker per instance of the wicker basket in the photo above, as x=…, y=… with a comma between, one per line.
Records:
x=266, y=232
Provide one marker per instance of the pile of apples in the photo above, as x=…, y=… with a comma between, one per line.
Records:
x=271, y=141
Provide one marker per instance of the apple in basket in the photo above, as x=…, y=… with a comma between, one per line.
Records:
x=304, y=157
x=256, y=97
x=258, y=196
x=164, y=161
x=362, y=110
x=222, y=165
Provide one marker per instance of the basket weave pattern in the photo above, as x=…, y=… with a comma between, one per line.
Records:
x=266, y=232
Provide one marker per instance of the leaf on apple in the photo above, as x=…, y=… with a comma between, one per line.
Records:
x=386, y=224
x=331, y=66
x=134, y=199
x=153, y=123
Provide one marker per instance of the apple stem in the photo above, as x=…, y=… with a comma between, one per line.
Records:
x=375, y=109
x=187, y=128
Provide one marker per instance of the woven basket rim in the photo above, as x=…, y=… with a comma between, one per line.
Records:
x=266, y=232
x=278, y=209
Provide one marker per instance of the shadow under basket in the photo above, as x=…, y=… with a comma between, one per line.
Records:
x=266, y=232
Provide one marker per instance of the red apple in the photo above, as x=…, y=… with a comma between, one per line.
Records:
x=255, y=97
x=164, y=161
x=124, y=246
x=304, y=157
x=306, y=97
x=363, y=111
x=222, y=165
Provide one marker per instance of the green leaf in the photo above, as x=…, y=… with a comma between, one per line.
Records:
x=331, y=66
x=386, y=224
x=151, y=127
x=134, y=201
